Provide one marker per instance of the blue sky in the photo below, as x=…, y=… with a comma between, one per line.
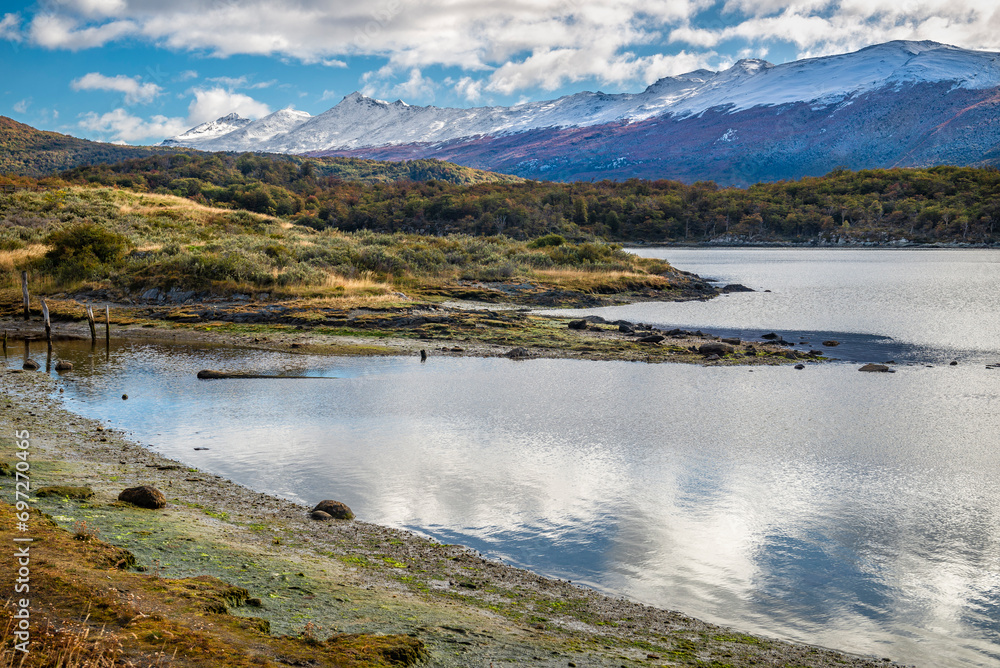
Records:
x=137, y=71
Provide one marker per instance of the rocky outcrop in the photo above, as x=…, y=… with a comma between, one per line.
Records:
x=144, y=496
x=334, y=509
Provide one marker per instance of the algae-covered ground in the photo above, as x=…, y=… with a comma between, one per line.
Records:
x=226, y=576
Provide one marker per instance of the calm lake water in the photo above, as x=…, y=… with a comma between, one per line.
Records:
x=850, y=510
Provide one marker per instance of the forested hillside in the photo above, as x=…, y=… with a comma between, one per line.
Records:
x=940, y=204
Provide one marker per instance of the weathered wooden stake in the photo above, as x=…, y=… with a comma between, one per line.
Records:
x=93, y=326
x=107, y=325
x=48, y=324
x=24, y=291
x=5, y=343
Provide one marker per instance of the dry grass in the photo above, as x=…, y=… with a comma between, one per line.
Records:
x=13, y=260
x=66, y=646
x=337, y=291
x=586, y=279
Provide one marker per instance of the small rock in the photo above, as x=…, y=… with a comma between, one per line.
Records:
x=952, y=363
x=769, y=336
x=712, y=358
x=653, y=338
x=335, y=509
x=517, y=353
x=736, y=287
x=831, y=344
x=30, y=365
x=320, y=515
x=716, y=349
x=731, y=341
x=800, y=366
x=145, y=496
x=875, y=367
x=63, y=365
x=625, y=329
x=577, y=324
x=124, y=397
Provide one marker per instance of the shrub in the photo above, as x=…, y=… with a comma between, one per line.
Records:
x=82, y=250
x=547, y=240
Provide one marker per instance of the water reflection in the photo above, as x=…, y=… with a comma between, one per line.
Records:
x=851, y=510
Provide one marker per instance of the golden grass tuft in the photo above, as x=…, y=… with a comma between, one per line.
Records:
x=13, y=260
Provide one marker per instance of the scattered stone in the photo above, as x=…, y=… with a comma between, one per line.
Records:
x=201, y=448
x=715, y=348
x=63, y=365
x=335, y=509
x=144, y=496
x=30, y=365
x=736, y=287
x=423, y=355
x=831, y=343
x=320, y=515
x=652, y=338
x=577, y=324
x=731, y=341
x=712, y=358
x=800, y=366
x=769, y=336
x=517, y=353
x=953, y=363
x=151, y=295
x=875, y=367
x=124, y=397
x=65, y=492
x=625, y=329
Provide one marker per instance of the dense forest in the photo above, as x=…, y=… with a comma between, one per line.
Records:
x=939, y=204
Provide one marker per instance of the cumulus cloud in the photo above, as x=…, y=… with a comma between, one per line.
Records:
x=54, y=31
x=22, y=106
x=215, y=102
x=10, y=27
x=122, y=126
x=135, y=91
x=822, y=27
x=511, y=46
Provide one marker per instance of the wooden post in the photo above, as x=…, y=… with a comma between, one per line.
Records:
x=93, y=326
x=24, y=291
x=5, y=343
x=48, y=325
x=107, y=325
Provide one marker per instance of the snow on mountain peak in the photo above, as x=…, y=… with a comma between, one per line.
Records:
x=359, y=121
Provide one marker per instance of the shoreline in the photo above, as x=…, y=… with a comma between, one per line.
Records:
x=364, y=578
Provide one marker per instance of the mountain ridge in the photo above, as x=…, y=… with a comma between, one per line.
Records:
x=875, y=77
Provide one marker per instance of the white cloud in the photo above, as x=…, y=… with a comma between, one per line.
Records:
x=124, y=127
x=186, y=75
x=822, y=27
x=135, y=91
x=515, y=46
x=417, y=87
x=328, y=95
x=22, y=106
x=215, y=102
x=59, y=32
x=10, y=27
x=468, y=88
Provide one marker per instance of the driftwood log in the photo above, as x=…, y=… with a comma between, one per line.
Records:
x=209, y=374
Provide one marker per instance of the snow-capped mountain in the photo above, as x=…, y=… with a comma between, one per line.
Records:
x=252, y=134
x=570, y=137
x=205, y=132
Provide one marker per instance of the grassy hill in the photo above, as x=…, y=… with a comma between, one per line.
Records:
x=30, y=152
x=27, y=151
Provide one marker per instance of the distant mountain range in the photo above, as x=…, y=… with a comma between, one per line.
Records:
x=894, y=104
